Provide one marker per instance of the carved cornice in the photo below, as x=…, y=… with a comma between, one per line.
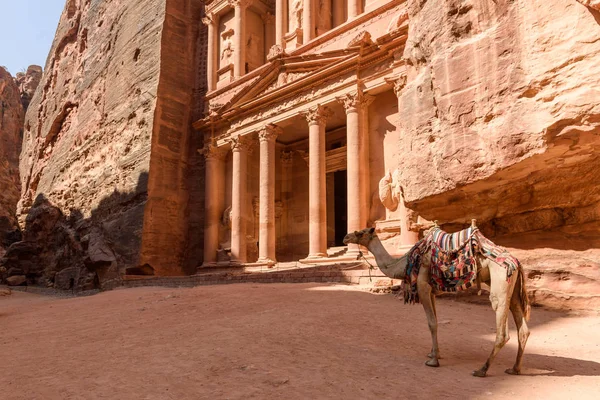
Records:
x=354, y=101
x=240, y=143
x=362, y=39
x=269, y=132
x=399, y=83
x=317, y=115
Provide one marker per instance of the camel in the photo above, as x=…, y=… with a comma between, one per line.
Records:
x=505, y=294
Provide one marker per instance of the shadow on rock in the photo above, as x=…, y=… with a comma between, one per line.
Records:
x=77, y=253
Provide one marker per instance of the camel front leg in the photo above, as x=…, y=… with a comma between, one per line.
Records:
x=431, y=354
x=424, y=291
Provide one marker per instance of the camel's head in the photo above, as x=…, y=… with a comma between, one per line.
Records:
x=363, y=237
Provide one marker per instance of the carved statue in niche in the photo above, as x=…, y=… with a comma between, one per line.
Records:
x=296, y=15
x=253, y=51
x=391, y=196
x=224, y=250
x=226, y=47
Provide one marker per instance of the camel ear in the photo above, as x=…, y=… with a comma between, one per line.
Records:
x=372, y=230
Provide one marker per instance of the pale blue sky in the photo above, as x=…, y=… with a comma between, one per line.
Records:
x=27, y=29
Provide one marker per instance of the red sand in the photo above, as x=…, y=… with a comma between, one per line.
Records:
x=283, y=341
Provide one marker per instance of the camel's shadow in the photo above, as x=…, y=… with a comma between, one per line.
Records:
x=544, y=365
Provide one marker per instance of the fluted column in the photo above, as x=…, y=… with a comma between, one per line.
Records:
x=308, y=21
x=239, y=147
x=354, y=8
x=214, y=195
x=266, y=243
x=211, y=21
x=317, y=217
x=239, y=30
x=357, y=149
x=407, y=237
x=280, y=21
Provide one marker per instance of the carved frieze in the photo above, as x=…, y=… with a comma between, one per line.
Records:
x=362, y=39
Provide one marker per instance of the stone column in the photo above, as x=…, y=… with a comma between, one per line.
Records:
x=211, y=21
x=239, y=212
x=354, y=8
x=407, y=237
x=214, y=195
x=308, y=21
x=287, y=163
x=239, y=30
x=280, y=21
x=357, y=147
x=266, y=242
x=317, y=229
x=338, y=12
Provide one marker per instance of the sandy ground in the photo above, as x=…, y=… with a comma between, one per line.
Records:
x=280, y=341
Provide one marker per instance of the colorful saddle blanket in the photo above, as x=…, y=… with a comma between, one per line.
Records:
x=453, y=264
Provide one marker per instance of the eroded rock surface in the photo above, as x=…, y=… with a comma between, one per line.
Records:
x=11, y=130
x=96, y=144
x=502, y=122
x=28, y=82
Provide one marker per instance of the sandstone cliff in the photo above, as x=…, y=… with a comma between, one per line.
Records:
x=105, y=138
x=502, y=124
x=11, y=131
x=28, y=82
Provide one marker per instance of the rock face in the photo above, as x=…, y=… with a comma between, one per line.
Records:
x=595, y=4
x=106, y=135
x=11, y=131
x=502, y=122
x=28, y=83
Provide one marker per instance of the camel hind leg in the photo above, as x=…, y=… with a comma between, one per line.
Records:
x=432, y=296
x=500, y=293
x=522, y=329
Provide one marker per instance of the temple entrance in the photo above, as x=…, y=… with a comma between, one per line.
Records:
x=340, y=196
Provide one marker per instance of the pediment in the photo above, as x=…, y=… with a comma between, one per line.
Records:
x=286, y=72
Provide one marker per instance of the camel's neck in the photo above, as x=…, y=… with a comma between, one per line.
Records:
x=394, y=268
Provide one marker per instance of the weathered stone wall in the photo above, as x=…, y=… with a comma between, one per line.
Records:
x=501, y=114
x=88, y=130
x=501, y=122
x=11, y=130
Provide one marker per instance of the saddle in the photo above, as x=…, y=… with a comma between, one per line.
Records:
x=453, y=263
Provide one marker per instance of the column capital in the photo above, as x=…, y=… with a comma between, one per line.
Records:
x=287, y=158
x=317, y=115
x=212, y=152
x=399, y=83
x=239, y=143
x=209, y=19
x=355, y=100
x=268, y=18
x=239, y=3
x=269, y=132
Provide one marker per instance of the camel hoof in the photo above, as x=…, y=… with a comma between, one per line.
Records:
x=480, y=373
x=432, y=363
x=512, y=371
x=430, y=355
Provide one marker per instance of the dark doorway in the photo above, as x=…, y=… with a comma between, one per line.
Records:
x=340, y=194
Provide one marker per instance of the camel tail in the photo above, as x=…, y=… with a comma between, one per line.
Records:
x=524, y=298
